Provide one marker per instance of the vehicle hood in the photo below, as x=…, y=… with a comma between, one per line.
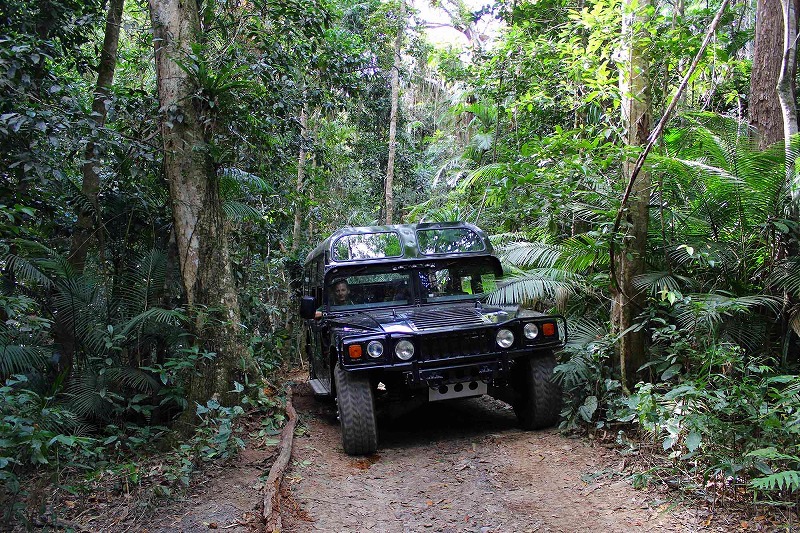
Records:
x=409, y=320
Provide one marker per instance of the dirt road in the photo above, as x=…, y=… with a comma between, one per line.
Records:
x=464, y=467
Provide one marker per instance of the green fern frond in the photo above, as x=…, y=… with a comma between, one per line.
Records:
x=772, y=453
x=787, y=480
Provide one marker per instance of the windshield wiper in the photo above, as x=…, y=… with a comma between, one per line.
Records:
x=353, y=312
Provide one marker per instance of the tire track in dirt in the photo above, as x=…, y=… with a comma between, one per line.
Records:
x=463, y=467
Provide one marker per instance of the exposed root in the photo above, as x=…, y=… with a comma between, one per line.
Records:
x=272, y=493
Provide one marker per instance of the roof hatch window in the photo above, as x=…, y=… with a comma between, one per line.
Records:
x=363, y=246
x=449, y=241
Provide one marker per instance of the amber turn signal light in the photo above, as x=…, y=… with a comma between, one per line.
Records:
x=354, y=351
x=548, y=329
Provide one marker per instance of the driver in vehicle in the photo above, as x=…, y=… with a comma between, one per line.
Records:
x=341, y=293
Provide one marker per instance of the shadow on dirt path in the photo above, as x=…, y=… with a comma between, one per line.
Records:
x=463, y=467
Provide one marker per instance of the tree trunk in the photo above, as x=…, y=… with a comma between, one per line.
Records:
x=198, y=218
x=301, y=171
x=627, y=301
x=764, y=105
x=787, y=95
x=786, y=81
x=89, y=217
x=388, y=193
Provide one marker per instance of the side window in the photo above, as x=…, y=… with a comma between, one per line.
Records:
x=312, y=281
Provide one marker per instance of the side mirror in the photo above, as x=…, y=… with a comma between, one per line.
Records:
x=308, y=307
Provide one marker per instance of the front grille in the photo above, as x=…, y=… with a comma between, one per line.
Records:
x=447, y=345
x=441, y=317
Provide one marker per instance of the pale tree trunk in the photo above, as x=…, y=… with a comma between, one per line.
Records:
x=786, y=91
x=388, y=189
x=89, y=219
x=301, y=172
x=787, y=96
x=628, y=301
x=764, y=106
x=310, y=229
x=197, y=214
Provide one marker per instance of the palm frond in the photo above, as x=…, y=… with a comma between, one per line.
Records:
x=156, y=314
x=491, y=173
x=133, y=378
x=537, y=285
x=656, y=281
x=239, y=211
x=25, y=270
x=582, y=252
x=20, y=359
x=530, y=254
x=584, y=331
x=234, y=179
x=86, y=395
x=707, y=311
x=700, y=167
x=786, y=276
x=143, y=283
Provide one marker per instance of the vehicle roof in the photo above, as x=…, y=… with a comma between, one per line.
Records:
x=408, y=242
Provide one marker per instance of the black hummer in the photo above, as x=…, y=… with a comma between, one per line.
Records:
x=400, y=313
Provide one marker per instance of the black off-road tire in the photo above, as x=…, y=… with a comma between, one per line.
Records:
x=538, y=404
x=356, y=401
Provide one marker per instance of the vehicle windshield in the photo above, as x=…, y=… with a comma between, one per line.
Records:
x=370, y=290
x=457, y=282
x=437, y=282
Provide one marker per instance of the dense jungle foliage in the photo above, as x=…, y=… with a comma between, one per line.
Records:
x=519, y=130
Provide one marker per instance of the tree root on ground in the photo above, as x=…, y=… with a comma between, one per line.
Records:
x=272, y=496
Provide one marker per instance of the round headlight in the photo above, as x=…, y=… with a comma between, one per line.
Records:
x=505, y=338
x=404, y=350
x=375, y=349
x=531, y=330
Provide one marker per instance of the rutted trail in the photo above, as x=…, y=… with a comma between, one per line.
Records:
x=462, y=467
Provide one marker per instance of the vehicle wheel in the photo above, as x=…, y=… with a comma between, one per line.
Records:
x=356, y=401
x=539, y=399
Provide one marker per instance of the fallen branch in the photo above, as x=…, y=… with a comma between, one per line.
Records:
x=272, y=496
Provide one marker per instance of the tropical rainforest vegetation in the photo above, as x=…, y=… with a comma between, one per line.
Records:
x=165, y=166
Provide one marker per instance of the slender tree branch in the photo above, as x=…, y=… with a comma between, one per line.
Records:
x=656, y=133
